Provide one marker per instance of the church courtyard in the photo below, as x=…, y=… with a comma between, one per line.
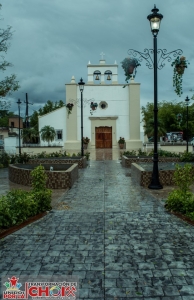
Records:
x=113, y=234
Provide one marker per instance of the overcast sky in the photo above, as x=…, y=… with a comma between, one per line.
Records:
x=54, y=40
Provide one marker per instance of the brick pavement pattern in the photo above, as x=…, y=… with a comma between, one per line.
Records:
x=117, y=238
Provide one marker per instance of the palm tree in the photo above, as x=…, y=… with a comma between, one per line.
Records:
x=48, y=134
x=29, y=134
x=149, y=128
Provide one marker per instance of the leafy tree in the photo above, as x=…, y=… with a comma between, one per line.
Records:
x=30, y=134
x=9, y=83
x=149, y=128
x=47, y=108
x=167, y=116
x=4, y=117
x=34, y=120
x=48, y=133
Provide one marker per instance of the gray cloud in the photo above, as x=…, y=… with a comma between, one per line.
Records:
x=54, y=40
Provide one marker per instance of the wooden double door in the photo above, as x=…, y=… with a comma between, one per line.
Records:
x=103, y=137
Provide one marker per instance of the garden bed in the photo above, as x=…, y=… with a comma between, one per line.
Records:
x=61, y=177
x=142, y=172
x=128, y=160
x=6, y=231
x=81, y=161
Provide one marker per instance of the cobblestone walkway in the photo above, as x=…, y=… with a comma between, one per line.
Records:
x=116, y=237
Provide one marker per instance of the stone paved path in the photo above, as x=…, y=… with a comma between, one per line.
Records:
x=116, y=237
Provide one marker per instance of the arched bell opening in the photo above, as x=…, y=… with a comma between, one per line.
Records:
x=108, y=77
x=97, y=77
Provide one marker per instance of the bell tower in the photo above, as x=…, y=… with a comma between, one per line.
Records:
x=102, y=73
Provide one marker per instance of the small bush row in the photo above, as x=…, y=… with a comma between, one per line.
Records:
x=18, y=205
x=182, y=199
x=6, y=159
x=161, y=153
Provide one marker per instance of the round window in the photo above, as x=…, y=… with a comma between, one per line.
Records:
x=103, y=105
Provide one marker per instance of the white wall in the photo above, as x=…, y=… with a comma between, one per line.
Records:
x=56, y=119
x=10, y=144
x=118, y=105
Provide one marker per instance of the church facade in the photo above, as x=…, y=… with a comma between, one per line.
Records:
x=116, y=113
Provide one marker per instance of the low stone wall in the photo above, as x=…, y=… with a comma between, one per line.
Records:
x=176, y=147
x=63, y=176
x=81, y=161
x=38, y=149
x=143, y=177
x=127, y=161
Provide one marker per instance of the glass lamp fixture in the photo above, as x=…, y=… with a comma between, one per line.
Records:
x=81, y=85
x=155, y=19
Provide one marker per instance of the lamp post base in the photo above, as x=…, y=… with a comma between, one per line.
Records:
x=155, y=182
x=155, y=186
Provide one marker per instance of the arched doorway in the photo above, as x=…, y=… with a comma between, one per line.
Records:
x=103, y=136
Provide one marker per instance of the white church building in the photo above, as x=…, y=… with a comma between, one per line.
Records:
x=117, y=114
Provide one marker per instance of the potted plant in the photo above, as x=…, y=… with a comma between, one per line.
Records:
x=121, y=142
x=69, y=107
x=86, y=141
x=129, y=65
x=179, y=64
x=93, y=106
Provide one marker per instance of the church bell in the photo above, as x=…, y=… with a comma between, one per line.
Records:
x=108, y=77
x=97, y=77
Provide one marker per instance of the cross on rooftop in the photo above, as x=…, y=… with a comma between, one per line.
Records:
x=102, y=54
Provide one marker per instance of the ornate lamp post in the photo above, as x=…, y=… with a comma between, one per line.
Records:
x=155, y=19
x=19, y=102
x=187, y=104
x=81, y=87
x=155, y=63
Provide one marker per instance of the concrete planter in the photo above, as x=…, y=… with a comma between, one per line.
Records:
x=142, y=175
x=128, y=160
x=61, y=177
x=81, y=161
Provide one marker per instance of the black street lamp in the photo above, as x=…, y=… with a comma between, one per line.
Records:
x=81, y=87
x=19, y=102
x=155, y=19
x=187, y=104
x=155, y=63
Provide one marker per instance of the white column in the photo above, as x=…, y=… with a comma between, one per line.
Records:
x=134, y=141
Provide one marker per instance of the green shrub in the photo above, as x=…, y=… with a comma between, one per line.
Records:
x=180, y=202
x=141, y=153
x=164, y=153
x=19, y=205
x=39, y=155
x=23, y=158
x=16, y=207
x=187, y=156
x=13, y=158
x=190, y=215
x=42, y=199
x=39, y=178
x=47, y=155
x=87, y=154
x=129, y=153
x=39, y=192
x=4, y=159
x=182, y=199
x=68, y=154
x=183, y=177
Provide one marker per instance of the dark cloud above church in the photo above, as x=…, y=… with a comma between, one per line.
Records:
x=54, y=40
